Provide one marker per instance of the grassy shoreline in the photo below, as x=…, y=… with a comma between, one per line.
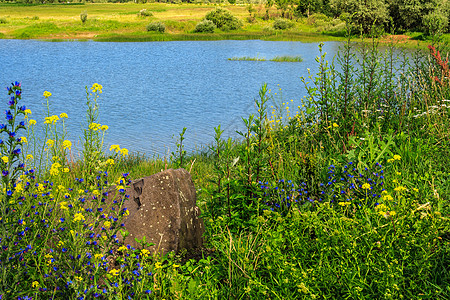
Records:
x=120, y=22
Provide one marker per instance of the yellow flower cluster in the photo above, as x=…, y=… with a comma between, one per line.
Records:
x=50, y=143
x=110, y=161
x=47, y=94
x=51, y=119
x=96, y=88
x=23, y=139
x=32, y=122
x=107, y=224
x=117, y=148
x=97, y=127
x=366, y=186
x=63, y=116
x=5, y=159
x=114, y=272
x=396, y=157
x=78, y=217
x=54, y=170
x=346, y=203
x=383, y=210
x=67, y=144
x=145, y=252
x=400, y=188
x=27, y=112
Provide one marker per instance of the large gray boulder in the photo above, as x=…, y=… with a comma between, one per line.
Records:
x=163, y=209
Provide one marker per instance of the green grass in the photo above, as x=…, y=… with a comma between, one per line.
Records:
x=287, y=59
x=275, y=59
x=247, y=58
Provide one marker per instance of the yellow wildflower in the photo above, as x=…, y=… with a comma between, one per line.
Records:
x=335, y=125
x=98, y=256
x=23, y=139
x=400, y=188
x=107, y=224
x=397, y=157
x=63, y=115
x=47, y=94
x=32, y=122
x=29, y=156
x=96, y=88
x=94, y=126
x=35, y=284
x=344, y=203
x=5, y=159
x=51, y=119
x=78, y=217
x=144, y=252
x=27, y=111
x=104, y=127
x=110, y=161
x=115, y=148
x=63, y=205
x=388, y=198
x=19, y=187
x=67, y=144
x=366, y=186
x=66, y=170
x=122, y=248
x=50, y=143
x=158, y=265
x=114, y=272
x=124, y=151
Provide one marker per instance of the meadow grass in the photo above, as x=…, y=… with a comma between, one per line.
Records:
x=121, y=20
x=275, y=59
x=343, y=194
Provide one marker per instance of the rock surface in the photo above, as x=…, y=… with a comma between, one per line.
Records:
x=163, y=209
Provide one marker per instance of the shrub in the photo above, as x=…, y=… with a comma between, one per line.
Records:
x=3, y=21
x=156, y=26
x=282, y=24
x=205, y=26
x=223, y=19
x=435, y=23
x=83, y=17
x=144, y=13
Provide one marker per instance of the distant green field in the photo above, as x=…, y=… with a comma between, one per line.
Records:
x=121, y=21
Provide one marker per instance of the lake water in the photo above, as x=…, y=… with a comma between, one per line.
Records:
x=152, y=90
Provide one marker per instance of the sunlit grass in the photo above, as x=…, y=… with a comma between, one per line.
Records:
x=275, y=59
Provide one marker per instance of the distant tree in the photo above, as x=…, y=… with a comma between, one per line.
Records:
x=408, y=14
x=364, y=14
x=307, y=7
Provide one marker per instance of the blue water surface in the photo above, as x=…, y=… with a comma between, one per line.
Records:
x=152, y=90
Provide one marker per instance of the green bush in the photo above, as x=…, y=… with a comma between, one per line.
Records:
x=3, y=21
x=205, y=26
x=156, y=26
x=144, y=13
x=83, y=17
x=282, y=24
x=435, y=23
x=223, y=19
